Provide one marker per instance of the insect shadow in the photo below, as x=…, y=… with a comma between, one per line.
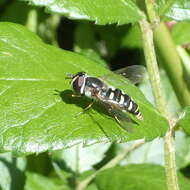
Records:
x=83, y=102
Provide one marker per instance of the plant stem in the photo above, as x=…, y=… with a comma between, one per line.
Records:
x=32, y=20
x=77, y=158
x=172, y=63
x=168, y=51
x=185, y=58
x=150, y=4
x=169, y=157
x=153, y=71
x=152, y=66
x=112, y=163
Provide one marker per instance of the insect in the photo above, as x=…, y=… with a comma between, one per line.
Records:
x=97, y=89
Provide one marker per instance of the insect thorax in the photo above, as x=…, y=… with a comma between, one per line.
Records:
x=93, y=86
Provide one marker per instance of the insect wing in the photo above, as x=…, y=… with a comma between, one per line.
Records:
x=121, y=118
x=135, y=73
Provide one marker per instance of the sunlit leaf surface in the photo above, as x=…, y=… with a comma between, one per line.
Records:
x=137, y=176
x=175, y=9
x=36, y=181
x=101, y=12
x=37, y=110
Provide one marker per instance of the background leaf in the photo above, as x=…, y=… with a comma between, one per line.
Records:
x=174, y=9
x=35, y=181
x=180, y=33
x=35, y=117
x=173, y=107
x=138, y=177
x=21, y=17
x=153, y=153
x=86, y=44
x=12, y=171
x=182, y=150
x=80, y=159
x=122, y=11
x=184, y=121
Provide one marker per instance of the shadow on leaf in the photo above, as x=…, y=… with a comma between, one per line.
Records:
x=83, y=102
x=17, y=176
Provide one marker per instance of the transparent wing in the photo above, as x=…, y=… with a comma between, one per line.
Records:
x=134, y=73
x=121, y=118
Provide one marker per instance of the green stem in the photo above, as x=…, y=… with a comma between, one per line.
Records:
x=112, y=163
x=170, y=164
x=53, y=22
x=77, y=158
x=32, y=20
x=150, y=4
x=152, y=66
x=172, y=63
x=153, y=71
x=185, y=58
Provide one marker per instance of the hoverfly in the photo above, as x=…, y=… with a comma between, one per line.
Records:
x=96, y=89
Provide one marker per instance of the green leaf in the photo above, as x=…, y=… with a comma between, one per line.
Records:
x=92, y=186
x=60, y=170
x=34, y=18
x=173, y=107
x=180, y=33
x=93, y=55
x=138, y=177
x=93, y=40
x=84, y=37
x=35, y=117
x=86, y=44
x=150, y=152
x=39, y=182
x=133, y=38
x=111, y=38
x=184, y=120
x=174, y=9
x=80, y=159
x=40, y=163
x=21, y=16
x=153, y=153
x=102, y=12
x=182, y=146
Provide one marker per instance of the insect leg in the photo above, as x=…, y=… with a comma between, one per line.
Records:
x=117, y=120
x=89, y=106
x=110, y=110
x=86, y=108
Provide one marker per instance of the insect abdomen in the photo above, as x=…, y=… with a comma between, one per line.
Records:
x=132, y=107
x=124, y=101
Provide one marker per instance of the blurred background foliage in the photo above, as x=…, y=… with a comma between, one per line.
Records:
x=112, y=46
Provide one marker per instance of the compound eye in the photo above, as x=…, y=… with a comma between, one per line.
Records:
x=78, y=84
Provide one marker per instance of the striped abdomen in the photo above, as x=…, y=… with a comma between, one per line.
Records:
x=123, y=101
